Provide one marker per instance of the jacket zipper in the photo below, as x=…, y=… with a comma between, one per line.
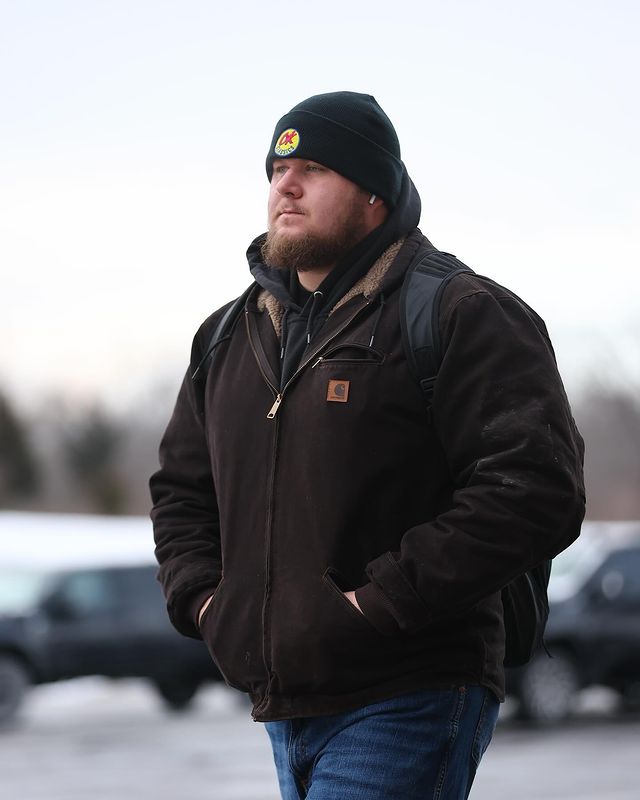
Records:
x=278, y=397
x=266, y=642
x=274, y=408
x=268, y=526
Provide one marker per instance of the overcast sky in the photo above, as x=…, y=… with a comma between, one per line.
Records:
x=132, y=144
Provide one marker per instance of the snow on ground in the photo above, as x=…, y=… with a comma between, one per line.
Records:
x=73, y=540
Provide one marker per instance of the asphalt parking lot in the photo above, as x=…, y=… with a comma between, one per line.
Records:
x=113, y=741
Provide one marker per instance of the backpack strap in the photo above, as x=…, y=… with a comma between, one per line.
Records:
x=224, y=328
x=422, y=289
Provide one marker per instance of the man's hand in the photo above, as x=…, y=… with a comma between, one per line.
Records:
x=203, y=608
x=351, y=597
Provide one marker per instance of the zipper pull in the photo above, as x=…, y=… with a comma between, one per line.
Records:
x=316, y=363
x=274, y=408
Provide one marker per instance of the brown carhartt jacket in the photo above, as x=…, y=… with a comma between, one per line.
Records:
x=279, y=501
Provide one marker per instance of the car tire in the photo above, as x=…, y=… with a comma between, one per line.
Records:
x=548, y=688
x=630, y=698
x=177, y=696
x=14, y=681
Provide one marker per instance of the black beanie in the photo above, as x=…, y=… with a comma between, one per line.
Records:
x=347, y=132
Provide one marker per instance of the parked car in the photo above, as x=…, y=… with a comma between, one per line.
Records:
x=593, y=633
x=104, y=618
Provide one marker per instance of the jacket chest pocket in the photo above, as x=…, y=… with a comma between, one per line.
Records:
x=350, y=374
x=350, y=353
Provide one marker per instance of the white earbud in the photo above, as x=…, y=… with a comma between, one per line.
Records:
x=372, y=199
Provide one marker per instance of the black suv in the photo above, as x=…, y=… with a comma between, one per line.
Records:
x=593, y=633
x=107, y=621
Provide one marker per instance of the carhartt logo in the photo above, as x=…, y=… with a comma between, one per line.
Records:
x=338, y=391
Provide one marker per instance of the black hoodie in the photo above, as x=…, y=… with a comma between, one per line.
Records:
x=305, y=313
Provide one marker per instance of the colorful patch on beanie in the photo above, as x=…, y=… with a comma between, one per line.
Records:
x=287, y=143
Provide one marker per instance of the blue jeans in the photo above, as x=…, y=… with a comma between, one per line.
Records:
x=423, y=746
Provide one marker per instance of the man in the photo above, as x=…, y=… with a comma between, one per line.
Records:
x=340, y=551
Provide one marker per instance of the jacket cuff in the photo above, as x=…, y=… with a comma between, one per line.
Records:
x=377, y=609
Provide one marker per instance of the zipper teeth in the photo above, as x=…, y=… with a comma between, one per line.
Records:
x=269, y=522
x=258, y=362
x=267, y=565
x=268, y=526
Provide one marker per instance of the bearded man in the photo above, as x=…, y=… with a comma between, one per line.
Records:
x=340, y=550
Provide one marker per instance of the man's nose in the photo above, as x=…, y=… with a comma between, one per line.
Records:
x=289, y=185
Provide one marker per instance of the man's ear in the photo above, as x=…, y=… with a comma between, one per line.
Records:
x=377, y=210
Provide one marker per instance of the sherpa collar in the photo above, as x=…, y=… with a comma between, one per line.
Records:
x=368, y=285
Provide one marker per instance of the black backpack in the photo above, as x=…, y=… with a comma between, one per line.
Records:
x=524, y=599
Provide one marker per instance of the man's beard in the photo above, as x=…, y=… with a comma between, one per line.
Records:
x=312, y=251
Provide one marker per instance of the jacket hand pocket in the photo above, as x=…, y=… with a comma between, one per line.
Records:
x=324, y=630
x=335, y=582
x=204, y=614
x=227, y=643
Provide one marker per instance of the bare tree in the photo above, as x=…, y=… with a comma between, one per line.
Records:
x=19, y=469
x=95, y=460
x=91, y=447
x=609, y=420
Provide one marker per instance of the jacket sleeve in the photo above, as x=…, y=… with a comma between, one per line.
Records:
x=515, y=458
x=185, y=512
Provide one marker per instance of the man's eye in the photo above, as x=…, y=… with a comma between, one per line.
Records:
x=314, y=168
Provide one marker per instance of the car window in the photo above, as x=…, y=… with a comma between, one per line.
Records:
x=90, y=593
x=571, y=568
x=143, y=593
x=21, y=590
x=620, y=579
x=141, y=583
